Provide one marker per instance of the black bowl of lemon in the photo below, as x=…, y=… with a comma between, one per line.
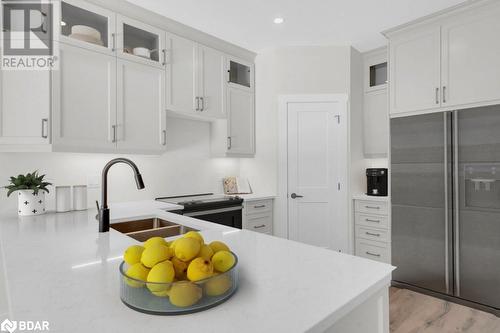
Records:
x=178, y=277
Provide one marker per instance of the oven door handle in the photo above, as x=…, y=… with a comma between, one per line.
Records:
x=213, y=211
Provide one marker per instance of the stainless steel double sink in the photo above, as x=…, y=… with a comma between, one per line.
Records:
x=142, y=230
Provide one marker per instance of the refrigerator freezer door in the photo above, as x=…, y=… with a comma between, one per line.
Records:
x=478, y=218
x=421, y=206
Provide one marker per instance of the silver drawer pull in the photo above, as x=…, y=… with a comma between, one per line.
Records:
x=372, y=207
x=372, y=234
x=261, y=206
x=374, y=221
x=372, y=254
x=259, y=226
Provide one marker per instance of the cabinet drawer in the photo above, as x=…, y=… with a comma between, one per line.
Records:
x=376, y=221
x=373, y=250
x=260, y=223
x=260, y=206
x=373, y=234
x=371, y=207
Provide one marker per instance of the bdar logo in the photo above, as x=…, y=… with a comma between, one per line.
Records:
x=8, y=326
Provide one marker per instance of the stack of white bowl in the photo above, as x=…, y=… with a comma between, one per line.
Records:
x=86, y=34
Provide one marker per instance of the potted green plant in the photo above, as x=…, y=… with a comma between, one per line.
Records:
x=31, y=190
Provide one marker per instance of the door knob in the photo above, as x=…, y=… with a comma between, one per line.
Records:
x=295, y=196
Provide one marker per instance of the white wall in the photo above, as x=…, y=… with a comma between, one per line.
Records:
x=289, y=70
x=185, y=168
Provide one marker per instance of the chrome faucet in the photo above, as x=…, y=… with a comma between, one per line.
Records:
x=104, y=210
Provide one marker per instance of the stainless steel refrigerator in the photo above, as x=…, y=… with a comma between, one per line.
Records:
x=445, y=191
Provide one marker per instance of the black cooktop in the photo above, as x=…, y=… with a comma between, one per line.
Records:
x=200, y=202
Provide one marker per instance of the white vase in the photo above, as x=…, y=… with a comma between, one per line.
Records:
x=30, y=204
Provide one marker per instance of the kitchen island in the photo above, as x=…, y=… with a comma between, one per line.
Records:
x=58, y=268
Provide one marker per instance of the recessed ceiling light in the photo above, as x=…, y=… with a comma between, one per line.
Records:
x=278, y=20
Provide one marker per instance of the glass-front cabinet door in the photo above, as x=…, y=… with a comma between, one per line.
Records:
x=140, y=42
x=240, y=73
x=86, y=25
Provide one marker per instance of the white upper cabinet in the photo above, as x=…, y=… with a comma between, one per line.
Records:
x=181, y=75
x=211, y=85
x=140, y=42
x=141, y=115
x=450, y=62
x=86, y=25
x=241, y=121
x=415, y=70
x=84, y=111
x=23, y=119
x=471, y=58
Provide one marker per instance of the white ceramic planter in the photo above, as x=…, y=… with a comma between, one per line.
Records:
x=30, y=204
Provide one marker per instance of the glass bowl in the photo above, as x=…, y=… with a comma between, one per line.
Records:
x=155, y=298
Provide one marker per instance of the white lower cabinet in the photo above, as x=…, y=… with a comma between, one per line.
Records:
x=372, y=230
x=141, y=115
x=84, y=101
x=25, y=107
x=258, y=215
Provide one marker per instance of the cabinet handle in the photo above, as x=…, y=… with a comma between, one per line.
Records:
x=259, y=226
x=45, y=125
x=370, y=220
x=372, y=234
x=114, y=133
x=372, y=207
x=373, y=254
x=437, y=95
x=197, y=104
x=202, y=99
x=444, y=94
x=113, y=42
x=164, y=57
x=164, y=138
x=229, y=143
x=261, y=206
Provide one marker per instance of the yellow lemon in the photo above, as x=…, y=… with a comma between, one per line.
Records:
x=133, y=254
x=195, y=235
x=187, y=248
x=184, y=293
x=206, y=252
x=200, y=269
x=218, y=285
x=155, y=241
x=139, y=272
x=223, y=261
x=154, y=254
x=162, y=275
x=180, y=268
x=218, y=246
x=163, y=293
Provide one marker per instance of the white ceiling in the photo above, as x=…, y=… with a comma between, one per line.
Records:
x=249, y=24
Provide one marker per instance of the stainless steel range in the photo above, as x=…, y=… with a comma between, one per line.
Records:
x=220, y=209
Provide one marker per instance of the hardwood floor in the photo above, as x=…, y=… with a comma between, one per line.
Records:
x=411, y=312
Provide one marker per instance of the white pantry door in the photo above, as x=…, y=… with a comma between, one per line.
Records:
x=317, y=167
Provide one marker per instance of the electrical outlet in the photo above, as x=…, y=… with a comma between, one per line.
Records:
x=93, y=181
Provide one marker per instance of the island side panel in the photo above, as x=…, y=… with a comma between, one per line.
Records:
x=371, y=316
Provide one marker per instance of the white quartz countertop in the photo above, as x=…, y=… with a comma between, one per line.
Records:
x=363, y=196
x=58, y=268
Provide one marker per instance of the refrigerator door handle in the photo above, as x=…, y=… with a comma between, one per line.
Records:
x=446, y=217
x=456, y=204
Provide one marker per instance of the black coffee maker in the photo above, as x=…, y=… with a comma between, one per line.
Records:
x=376, y=180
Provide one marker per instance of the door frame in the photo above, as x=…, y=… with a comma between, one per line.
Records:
x=281, y=214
